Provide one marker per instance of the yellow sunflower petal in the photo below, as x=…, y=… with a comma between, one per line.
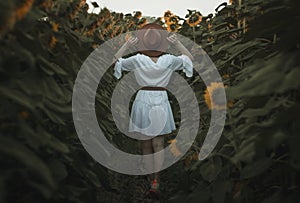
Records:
x=209, y=91
x=53, y=42
x=55, y=27
x=194, y=19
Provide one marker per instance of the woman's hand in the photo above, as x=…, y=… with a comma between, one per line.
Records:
x=179, y=46
x=132, y=41
x=173, y=39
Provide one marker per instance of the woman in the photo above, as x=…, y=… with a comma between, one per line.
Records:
x=151, y=113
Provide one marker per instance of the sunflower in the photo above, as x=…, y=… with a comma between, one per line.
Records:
x=101, y=37
x=112, y=33
x=193, y=157
x=196, y=156
x=55, y=26
x=137, y=14
x=231, y=25
x=94, y=45
x=107, y=25
x=213, y=92
x=210, y=39
x=130, y=25
x=194, y=19
x=24, y=114
x=230, y=103
x=188, y=161
x=209, y=26
x=53, y=42
x=76, y=10
x=226, y=76
x=99, y=21
x=173, y=27
x=159, y=19
x=91, y=30
x=120, y=30
x=47, y=4
x=173, y=19
x=167, y=14
x=142, y=22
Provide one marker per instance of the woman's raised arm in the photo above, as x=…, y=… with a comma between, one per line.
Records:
x=131, y=42
x=179, y=46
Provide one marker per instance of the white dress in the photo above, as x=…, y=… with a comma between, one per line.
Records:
x=151, y=112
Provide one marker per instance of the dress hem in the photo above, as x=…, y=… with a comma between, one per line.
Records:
x=151, y=134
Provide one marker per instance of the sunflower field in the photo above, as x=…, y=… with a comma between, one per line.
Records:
x=255, y=46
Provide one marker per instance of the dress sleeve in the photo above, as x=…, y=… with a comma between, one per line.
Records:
x=183, y=63
x=122, y=64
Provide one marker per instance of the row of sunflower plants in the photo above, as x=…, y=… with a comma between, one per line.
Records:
x=255, y=50
x=44, y=44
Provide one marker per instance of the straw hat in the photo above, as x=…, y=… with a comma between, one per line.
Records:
x=152, y=39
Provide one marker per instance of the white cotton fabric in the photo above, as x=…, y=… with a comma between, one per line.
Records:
x=151, y=112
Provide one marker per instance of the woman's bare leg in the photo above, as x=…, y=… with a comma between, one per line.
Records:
x=158, y=145
x=148, y=161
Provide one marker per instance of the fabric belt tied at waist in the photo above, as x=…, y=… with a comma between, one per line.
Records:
x=153, y=88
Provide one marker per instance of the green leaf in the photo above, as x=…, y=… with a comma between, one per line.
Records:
x=95, y=5
x=29, y=159
x=276, y=74
x=50, y=67
x=17, y=97
x=58, y=169
x=256, y=168
x=219, y=190
x=246, y=150
x=211, y=169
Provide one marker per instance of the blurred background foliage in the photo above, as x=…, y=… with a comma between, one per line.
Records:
x=255, y=46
